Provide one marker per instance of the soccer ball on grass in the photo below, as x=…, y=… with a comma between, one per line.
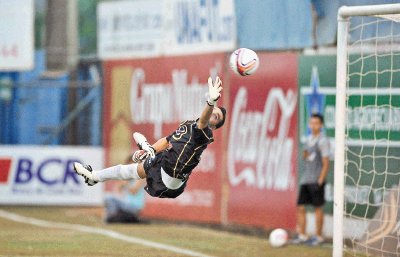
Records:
x=278, y=237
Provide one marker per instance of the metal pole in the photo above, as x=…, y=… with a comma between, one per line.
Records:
x=340, y=124
x=62, y=35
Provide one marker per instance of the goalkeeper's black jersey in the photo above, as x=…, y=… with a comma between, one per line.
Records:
x=187, y=143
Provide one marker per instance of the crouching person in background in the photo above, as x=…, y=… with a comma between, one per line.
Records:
x=126, y=204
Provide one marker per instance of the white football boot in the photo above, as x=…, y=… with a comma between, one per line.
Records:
x=86, y=172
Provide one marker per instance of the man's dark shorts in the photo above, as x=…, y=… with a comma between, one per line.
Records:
x=155, y=186
x=312, y=194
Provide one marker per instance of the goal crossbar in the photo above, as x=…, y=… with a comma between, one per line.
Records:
x=368, y=10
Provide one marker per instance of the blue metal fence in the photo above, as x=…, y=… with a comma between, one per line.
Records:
x=50, y=109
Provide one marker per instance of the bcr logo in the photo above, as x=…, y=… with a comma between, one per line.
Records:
x=5, y=165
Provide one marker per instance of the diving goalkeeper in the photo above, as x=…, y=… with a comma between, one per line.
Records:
x=167, y=164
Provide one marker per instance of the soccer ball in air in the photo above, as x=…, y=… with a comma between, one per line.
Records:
x=244, y=61
x=278, y=237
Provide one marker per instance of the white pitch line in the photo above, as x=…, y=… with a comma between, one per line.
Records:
x=99, y=231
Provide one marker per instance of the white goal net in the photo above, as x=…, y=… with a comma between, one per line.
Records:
x=367, y=189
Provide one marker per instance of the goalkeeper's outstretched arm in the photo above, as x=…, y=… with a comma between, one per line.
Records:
x=214, y=93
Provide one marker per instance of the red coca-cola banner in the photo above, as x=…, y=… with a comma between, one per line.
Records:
x=248, y=175
x=261, y=150
x=153, y=96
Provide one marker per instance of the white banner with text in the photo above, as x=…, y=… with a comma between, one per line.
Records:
x=44, y=175
x=16, y=35
x=152, y=28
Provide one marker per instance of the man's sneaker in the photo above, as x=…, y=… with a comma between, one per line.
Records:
x=299, y=239
x=86, y=172
x=314, y=241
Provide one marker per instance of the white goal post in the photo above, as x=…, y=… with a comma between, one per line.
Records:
x=345, y=13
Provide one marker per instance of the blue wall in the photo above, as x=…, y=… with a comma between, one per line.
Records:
x=271, y=24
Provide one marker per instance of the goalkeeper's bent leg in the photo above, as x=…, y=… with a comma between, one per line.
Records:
x=118, y=172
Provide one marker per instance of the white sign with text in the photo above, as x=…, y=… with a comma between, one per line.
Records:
x=152, y=28
x=16, y=35
x=45, y=175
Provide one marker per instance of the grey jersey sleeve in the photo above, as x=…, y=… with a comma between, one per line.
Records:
x=324, y=146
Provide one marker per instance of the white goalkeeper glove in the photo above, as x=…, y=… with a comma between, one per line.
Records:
x=139, y=156
x=214, y=90
x=149, y=149
x=142, y=143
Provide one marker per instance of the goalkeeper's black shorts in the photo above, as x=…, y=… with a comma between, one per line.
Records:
x=155, y=186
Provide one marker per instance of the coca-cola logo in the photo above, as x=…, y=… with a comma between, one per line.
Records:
x=260, y=148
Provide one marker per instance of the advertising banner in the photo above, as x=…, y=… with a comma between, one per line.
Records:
x=16, y=35
x=129, y=29
x=262, y=151
x=198, y=26
x=41, y=175
x=153, y=96
x=153, y=28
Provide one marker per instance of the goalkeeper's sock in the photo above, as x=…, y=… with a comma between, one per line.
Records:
x=119, y=172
